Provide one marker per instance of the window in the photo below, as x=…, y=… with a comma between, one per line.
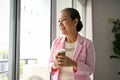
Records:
x=34, y=39
x=4, y=38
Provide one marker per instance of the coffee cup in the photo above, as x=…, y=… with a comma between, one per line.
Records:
x=61, y=52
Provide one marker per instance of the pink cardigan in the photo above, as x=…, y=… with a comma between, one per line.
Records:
x=84, y=55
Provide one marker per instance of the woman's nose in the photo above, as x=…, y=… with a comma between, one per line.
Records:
x=60, y=23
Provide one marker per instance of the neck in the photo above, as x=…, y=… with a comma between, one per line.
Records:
x=71, y=38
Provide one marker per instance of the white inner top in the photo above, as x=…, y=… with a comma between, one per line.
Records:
x=67, y=72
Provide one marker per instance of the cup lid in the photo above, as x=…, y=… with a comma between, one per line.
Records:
x=60, y=50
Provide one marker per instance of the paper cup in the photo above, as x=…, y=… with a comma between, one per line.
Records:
x=61, y=52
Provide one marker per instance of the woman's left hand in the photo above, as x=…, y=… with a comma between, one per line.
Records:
x=69, y=62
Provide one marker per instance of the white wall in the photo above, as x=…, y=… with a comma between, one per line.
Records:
x=106, y=68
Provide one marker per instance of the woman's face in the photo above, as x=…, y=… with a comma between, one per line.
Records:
x=65, y=23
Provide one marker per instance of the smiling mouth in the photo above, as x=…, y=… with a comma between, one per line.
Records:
x=62, y=29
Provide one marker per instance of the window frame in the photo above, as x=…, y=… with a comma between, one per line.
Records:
x=14, y=40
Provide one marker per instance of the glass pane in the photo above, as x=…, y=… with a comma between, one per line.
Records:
x=4, y=38
x=34, y=39
x=61, y=4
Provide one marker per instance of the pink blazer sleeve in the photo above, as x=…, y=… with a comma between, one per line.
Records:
x=86, y=60
x=53, y=54
x=51, y=59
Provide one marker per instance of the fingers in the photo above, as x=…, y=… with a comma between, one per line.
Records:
x=60, y=60
x=64, y=61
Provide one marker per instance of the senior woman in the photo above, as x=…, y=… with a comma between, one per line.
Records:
x=79, y=60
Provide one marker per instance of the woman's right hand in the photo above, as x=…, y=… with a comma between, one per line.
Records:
x=59, y=62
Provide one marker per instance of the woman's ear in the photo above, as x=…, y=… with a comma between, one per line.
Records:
x=76, y=22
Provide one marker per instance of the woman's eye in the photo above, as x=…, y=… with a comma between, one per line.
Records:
x=58, y=20
x=63, y=19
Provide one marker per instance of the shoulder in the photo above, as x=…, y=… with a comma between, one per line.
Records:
x=57, y=40
x=84, y=41
x=88, y=42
